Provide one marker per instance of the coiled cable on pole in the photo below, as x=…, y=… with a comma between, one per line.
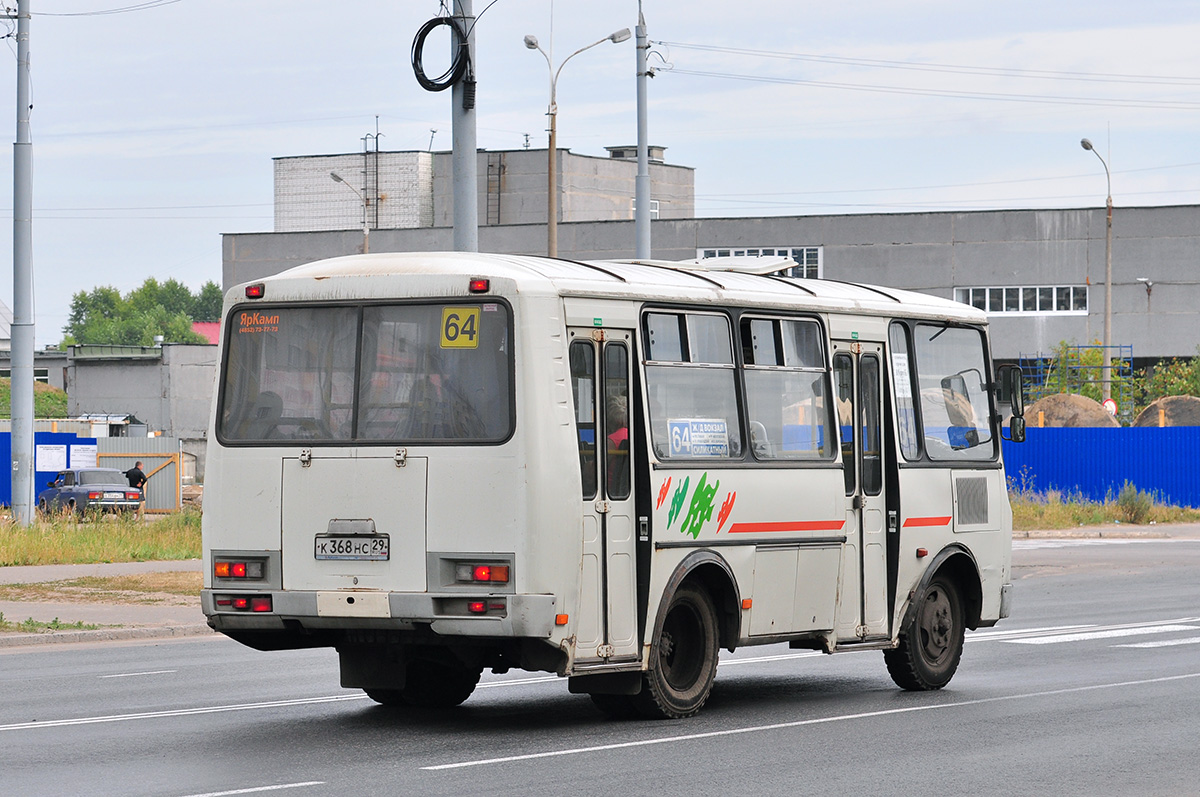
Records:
x=459, y=67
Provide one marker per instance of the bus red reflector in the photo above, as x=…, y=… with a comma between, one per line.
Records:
x=256, y=291
x=239, y=569
x=221, y=569
x=477, y=607
x=561, y=619
x=922, y=553
x=241, y=603
x=224, y=602
x=747, y=603
x=260, y=604
x=479, y=285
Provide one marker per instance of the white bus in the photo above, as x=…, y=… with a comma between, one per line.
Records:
x=439, y=463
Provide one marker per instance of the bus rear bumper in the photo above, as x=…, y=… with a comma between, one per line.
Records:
x=506, y=615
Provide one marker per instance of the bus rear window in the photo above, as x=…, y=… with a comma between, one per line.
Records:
x=382, y=373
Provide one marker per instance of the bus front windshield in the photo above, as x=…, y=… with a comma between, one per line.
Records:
x=376, y=373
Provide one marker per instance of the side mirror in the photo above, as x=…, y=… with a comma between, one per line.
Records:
x=1008, y=380
x=1016, y=429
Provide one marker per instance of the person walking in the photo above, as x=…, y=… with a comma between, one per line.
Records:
x=138, y=479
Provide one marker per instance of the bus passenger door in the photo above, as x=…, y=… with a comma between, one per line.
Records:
x=858, y=391
x=606, y=628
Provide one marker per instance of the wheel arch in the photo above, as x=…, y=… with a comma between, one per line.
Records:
x=709, y=570
x=959, y=565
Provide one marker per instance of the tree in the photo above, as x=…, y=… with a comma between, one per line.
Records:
x=104, y=316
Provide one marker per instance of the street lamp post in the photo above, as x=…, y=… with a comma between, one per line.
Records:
x=551, y=166
x=337, y=178
x=1106, y=374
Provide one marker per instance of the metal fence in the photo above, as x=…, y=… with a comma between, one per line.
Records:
x=160, y=460
x=1097, y=462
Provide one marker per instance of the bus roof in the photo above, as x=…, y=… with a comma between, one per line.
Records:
x=706, y=282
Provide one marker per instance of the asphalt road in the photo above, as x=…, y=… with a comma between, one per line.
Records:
x=1092, y=687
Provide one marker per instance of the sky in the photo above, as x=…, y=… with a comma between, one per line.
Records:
x=155, y=121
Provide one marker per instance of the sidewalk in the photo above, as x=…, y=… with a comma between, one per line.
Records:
x=134, y=621
x=125, y=621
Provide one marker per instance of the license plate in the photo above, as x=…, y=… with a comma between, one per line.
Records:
x=333, y=546
x=115, y=495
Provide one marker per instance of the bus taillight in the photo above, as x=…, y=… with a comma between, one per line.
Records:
x=476, y=573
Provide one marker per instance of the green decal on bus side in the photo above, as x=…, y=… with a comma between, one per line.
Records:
x=597, y=322
x=677, y=501
x=701, y=508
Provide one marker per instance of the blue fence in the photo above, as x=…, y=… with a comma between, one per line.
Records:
x=1098, y=462
x=53, y=451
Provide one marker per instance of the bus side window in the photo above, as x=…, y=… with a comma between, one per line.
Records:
x=583, y=387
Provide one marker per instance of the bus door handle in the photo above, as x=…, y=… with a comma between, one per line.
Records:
x=856, y=503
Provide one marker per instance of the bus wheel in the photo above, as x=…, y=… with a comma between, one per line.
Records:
x=387, y=697
x=931, y=646
x=683, y=659
x=436, y=684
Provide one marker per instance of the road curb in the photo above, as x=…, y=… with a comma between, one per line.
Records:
x=105, y=635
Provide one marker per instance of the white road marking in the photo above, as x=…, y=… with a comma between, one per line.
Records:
x=257, y=789
x=133, y=674
x=1111, y=633
x=181, y=712
x=802, y=723
x=1162, y=643
x=781, y=657
x=1034, y=544
x=985, y=636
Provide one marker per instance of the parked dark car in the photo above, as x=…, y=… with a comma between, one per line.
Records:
x=80, y=489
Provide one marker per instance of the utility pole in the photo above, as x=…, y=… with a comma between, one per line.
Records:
x=641, y=186
x=22, y=324
x=464, y=158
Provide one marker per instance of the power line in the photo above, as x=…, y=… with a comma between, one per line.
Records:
x=106, y=11
x=1040, y=74
x=1175, y=105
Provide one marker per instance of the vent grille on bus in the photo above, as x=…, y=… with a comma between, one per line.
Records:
x=972, y=501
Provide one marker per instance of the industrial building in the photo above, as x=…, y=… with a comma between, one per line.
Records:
x=1039, y=274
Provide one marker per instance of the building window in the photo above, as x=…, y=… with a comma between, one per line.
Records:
x=809, y=260
x=39, y=375
x=1058, y=299
x=653, y=208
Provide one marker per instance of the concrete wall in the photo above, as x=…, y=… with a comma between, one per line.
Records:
x=930, y=252
x=398, y=187
x=171, y=393
x=512, y=188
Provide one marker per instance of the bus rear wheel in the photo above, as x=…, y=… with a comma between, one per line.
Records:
x=683, y=659
x=430, y=684
x=931, y=645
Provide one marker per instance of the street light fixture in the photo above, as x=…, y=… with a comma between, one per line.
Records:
x=337, y=178
x=531, y=42
x=1107, y=367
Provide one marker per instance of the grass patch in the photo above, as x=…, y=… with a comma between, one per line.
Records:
x=1052, y=509
x=31, y=626
x=176, y=588
x=110, y=538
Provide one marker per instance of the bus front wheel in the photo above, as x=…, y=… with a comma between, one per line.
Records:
x=931, y=644
x=683, y=659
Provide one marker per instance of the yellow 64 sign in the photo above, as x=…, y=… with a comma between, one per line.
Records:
x=460, y=327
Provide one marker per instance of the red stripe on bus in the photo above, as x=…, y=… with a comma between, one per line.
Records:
x=927, y=521
x=798, y=525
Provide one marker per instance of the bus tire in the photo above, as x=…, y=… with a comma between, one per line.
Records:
x=683, y=658
x=436, y=684
x=931, y=645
